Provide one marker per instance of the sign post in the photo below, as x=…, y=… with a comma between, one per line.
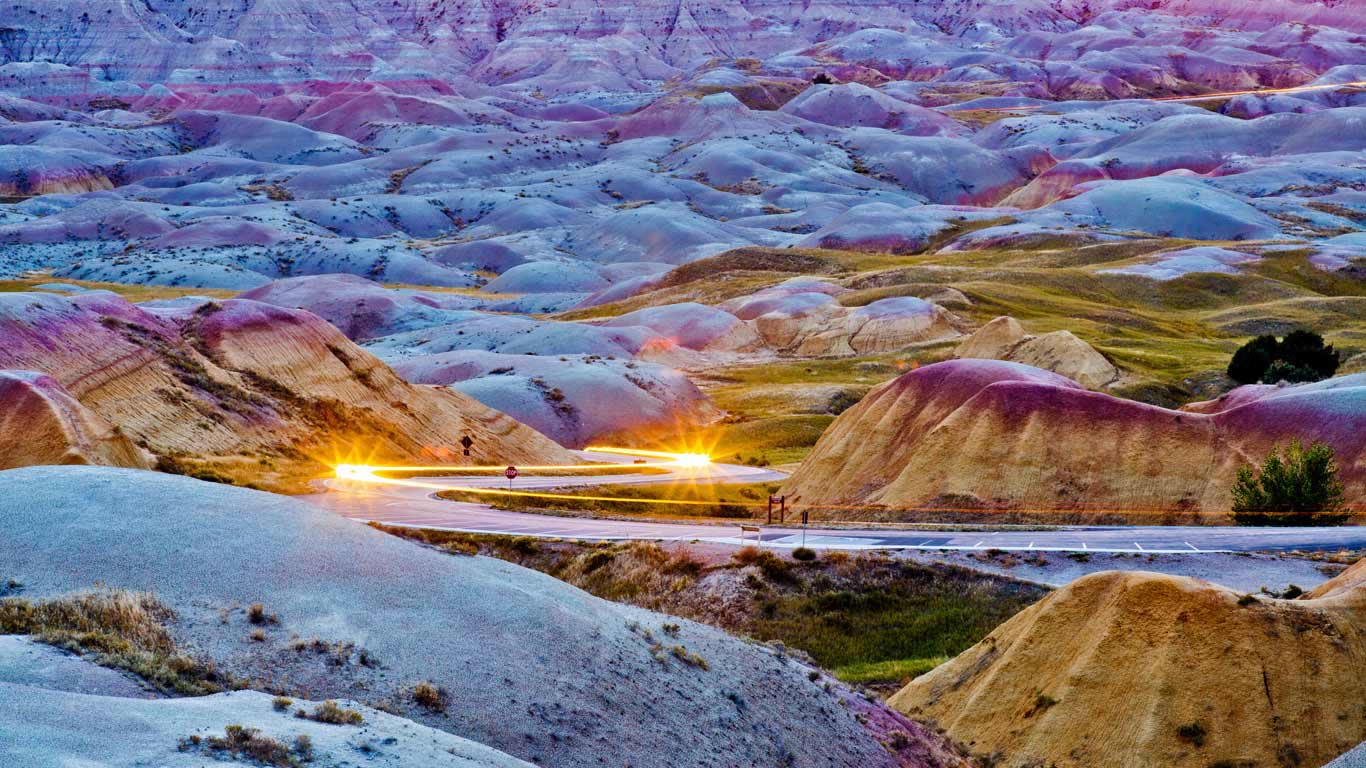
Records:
x=781, y=501
x=467, y=444
x=511, y=474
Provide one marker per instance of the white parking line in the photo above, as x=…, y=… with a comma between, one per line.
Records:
x=1192, y=546
x=1140, y=546
x=978, y=544
x=1083, y=545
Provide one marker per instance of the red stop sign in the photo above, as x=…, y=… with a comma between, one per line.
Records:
x=510, y=472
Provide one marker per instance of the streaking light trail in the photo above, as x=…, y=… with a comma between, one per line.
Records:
x=366, y=473
x=1206, y=96
x=661, y=459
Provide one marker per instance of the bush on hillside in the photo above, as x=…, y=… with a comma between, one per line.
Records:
x=1300, y=357
x=1295, y=486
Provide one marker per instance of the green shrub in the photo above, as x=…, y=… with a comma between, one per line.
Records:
x=804, y=554
x=1295, y=486
x=1252, y=359
x=1301, y=356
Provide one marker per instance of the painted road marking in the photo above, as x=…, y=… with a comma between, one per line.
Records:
x=1140, y=546
x=1192, y=546
x=978, y=544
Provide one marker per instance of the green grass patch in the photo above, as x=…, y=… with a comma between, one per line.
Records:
x=904, y=616
x=892, y=671
x=676, y=499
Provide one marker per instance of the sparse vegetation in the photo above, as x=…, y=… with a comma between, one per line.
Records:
x=256, y=614
x=242, y=743
x=115, y=628
x=431, y=697
x=873, y=620
x=1295, y=486
x=332, y=713
x=1192, y=733
x=1042, y=703
x=689, y=658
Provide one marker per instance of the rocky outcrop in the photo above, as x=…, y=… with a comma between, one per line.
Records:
x=41, y=423
x=1060, y=352
x=802, y=317
x=1001, y=434
x=1120, y=669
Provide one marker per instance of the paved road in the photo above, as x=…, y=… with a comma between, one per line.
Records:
x=414, y=506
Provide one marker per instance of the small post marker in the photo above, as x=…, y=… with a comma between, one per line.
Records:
x=754, y=529
x=511, y=474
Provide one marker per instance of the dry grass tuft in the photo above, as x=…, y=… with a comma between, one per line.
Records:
x=332, y=713
x=116, y=628
x=247, y=744
x=431, y=697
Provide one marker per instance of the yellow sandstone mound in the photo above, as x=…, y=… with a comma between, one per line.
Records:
x=1060, y=352
x=41, y=423
x=1139, y=670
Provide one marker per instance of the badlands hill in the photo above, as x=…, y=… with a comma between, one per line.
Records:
x=1142, y=669
x=231, y=382
x=994, y=434
x=532, y=666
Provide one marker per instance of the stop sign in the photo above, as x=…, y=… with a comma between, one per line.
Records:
x=511, y=472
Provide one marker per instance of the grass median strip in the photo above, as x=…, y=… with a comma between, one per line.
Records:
x=674, y=499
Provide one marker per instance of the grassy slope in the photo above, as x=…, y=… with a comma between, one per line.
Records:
x=1173, y=337
x=133, y=293
x=870, y=619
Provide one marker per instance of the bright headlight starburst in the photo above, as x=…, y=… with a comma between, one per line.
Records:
x=692, y=459
x=353, y=472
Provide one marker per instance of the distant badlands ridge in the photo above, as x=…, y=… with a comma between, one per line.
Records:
x=993, y=434
x=657, y=39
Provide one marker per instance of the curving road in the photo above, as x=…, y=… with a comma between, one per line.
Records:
x=415, y=506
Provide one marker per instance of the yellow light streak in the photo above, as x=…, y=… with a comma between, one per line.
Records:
x=364, y=472
x=1206, y=96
